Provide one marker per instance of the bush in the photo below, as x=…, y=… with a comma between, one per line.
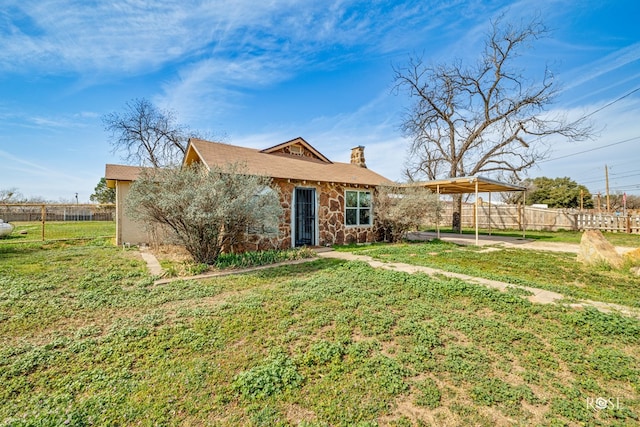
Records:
x=399, y=209
x=204, y=210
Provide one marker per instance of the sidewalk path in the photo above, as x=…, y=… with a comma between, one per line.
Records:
x=152, y=262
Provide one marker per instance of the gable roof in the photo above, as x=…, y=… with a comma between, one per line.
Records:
x=297, y=142
x=268, y=163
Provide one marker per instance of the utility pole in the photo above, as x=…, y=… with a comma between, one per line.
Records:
x=581, y=200
x=606, y=175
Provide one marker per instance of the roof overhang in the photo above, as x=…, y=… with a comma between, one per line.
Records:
x=115, y=173
x=468, y=184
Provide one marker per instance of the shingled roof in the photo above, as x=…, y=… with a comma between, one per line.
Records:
x=115, y=173
x=275, y=165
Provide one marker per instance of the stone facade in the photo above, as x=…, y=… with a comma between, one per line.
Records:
x=357, y=156
x=330, y=217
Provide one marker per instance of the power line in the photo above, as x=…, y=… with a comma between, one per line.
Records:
x=617, y=175
x=589, y=115
x=588, y=151
x=610, y=103
x=614, y=177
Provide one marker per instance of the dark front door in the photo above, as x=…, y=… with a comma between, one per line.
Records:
x=305, y=217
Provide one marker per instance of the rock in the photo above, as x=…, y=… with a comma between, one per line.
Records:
x=635, y=270
x=595, y=249
x=633, y=256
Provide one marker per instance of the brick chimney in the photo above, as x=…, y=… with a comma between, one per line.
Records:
x=357, y=156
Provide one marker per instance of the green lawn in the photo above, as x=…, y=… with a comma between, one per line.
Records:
x=56, y=230
x=617, y=239
x=555, y=271
x=88, y=339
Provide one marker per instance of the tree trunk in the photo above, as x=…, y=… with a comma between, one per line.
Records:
x=457, y=213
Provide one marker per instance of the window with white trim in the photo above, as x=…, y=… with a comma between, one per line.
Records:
x=268, y=225
x=358, y=208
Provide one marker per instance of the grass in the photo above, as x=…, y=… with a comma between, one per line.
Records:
x=88, y=339
x=562, y=236
x=57, y=230
x=555, y=271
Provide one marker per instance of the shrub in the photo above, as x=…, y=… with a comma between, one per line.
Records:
x=399, y=209
x=204, y=210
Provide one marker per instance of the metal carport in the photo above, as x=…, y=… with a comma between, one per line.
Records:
x=469, y=185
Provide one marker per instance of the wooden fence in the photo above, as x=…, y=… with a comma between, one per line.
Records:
x=510, y=217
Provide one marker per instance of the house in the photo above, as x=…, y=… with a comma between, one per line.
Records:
x=324, y=202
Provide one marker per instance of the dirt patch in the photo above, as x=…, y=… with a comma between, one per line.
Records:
x=296, y=414
x=489, y=249
x=173, y=253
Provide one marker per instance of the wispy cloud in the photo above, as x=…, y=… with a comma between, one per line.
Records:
x=620, y=58
x=62, y=36
x=27, y=168
x=371, y=125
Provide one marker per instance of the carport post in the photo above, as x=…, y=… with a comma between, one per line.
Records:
x=438, y=211
x=476, y=213
x=524, y=214
x=489, y=213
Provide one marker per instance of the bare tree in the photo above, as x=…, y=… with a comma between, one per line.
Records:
x=483, y=118
x=617, y=201
x=10, y=195
x=146, y=135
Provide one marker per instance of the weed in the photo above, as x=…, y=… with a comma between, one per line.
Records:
x=494, y=391
x=428, y=394
x=275, y=375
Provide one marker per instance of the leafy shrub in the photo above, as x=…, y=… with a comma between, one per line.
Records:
x=276, y=375
x=399, y=209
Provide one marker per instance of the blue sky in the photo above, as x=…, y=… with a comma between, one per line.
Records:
x=260, y=73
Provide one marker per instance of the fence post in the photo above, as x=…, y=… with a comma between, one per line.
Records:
x=44, y=218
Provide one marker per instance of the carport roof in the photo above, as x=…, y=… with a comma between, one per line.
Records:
x=467, y=184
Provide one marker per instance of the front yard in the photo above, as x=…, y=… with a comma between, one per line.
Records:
x=554, y=271
x=88, y=339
